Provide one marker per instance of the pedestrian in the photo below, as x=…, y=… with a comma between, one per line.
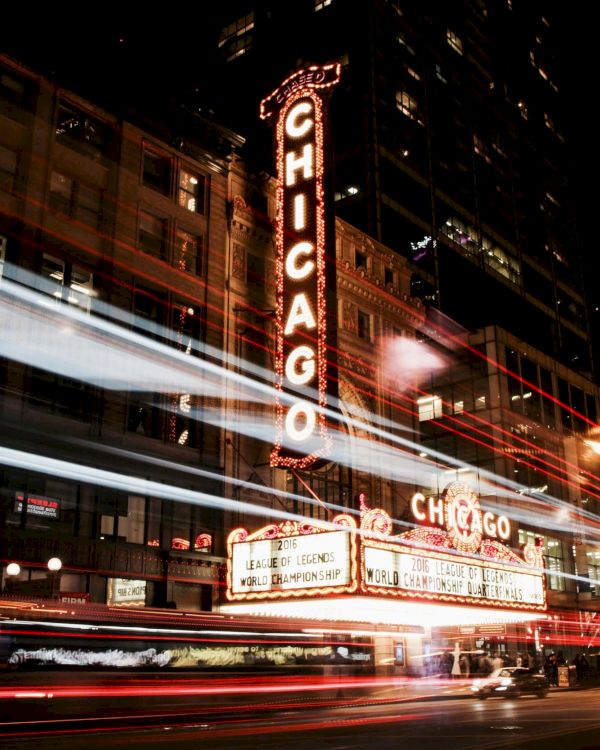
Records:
x=456, y=671
x=497, y=662
x=581, y=667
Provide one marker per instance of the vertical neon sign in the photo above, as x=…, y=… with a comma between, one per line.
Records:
x=301, y=436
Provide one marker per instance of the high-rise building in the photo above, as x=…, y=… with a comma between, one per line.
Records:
x=451, y=146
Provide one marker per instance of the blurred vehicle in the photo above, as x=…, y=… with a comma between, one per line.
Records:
x=511, y=682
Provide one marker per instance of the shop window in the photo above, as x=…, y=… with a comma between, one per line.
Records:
x=191, y=191
x=156, y=172
x=152, y=235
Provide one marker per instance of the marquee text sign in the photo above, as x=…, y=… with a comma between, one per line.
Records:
x=291, y=559
x=301, y=346
x=434, y=576
x=458, y=555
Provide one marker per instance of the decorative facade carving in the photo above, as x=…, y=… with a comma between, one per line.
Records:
x=349, y=317
x=238, y=267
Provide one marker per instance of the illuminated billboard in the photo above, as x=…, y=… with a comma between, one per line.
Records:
x=292, y=559
x=459, y=557
x=301, y=359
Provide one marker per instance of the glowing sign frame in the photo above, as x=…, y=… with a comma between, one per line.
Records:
x=301, y=315
x=290, y=530
x=430, y=543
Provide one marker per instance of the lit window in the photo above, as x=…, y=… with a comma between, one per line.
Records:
x=191, y=191
x=320, y=4
x=65, y=281
x=553, y=557
x=401, y=39
x=454, y=41
x=593, y=564
x=430, y=407
x=236, y=39
x=413, y=73
x=77, y=130
x=407, y=105
x=188, y=255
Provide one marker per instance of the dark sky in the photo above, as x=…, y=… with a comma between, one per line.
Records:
x=126, y=54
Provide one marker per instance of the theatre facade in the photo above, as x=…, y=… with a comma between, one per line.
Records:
x=422, y=565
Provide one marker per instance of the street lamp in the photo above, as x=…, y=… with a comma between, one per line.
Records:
x=54, y=567
x=54, y=564
x=13, y=569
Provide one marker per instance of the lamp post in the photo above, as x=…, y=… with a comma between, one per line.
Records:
x=13, y=570
x=54, y=568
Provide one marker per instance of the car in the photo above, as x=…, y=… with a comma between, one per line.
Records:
x=511, y=682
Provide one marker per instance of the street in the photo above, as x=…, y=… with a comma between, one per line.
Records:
x=568, y=720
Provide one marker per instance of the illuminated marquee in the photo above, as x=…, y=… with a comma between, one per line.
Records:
x=431, y=562
x=292, y=559
x=301, y=351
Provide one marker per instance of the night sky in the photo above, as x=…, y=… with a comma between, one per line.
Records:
x=127, y=58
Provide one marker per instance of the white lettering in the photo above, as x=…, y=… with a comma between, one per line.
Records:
x=306, y=411
x=299, y=212
x=297, y=129
x=305, y=358
x=300, y=312
x=293, y=270
x=303, y=162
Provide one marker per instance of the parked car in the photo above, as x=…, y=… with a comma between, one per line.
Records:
x=511, y=682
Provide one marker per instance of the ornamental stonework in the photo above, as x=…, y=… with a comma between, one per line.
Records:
x=349, y=317
x=238, y=270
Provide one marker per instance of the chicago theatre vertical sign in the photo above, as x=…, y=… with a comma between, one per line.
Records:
x=297, y=108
